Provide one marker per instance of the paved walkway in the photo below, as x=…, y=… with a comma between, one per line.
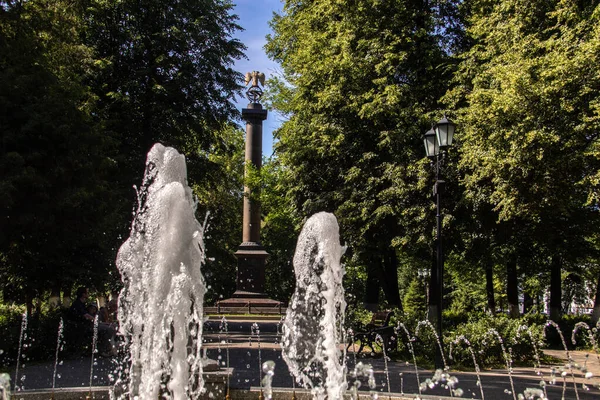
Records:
x=244, y=356
x=590, y=361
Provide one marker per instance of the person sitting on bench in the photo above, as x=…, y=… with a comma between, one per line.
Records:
x=79, y=308
x=106, y=333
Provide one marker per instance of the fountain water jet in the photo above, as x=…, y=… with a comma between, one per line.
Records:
x=224, y=327
x=160, y=307
x=22, y=338
x=268, y=367
x=94, y=351
x=379, y=340
x=462, y=338
x=4, y=386
x=570, y=361
x=255, y=331
x=508, y=360
x=411, y=349
x=58, y=348
x=313, y=327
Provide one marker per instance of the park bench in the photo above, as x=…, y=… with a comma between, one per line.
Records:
x=379, y=326
x=77, y=334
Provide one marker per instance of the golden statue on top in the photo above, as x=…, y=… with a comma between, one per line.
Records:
x=255, y=77
x=254, y=93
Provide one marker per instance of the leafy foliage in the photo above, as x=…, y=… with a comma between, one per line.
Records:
x=415, y=299
x=529, y=125
x=481, y=333
x=87, y=87
x=280, y=230
x=360, y=82
x=220, y=199
x=55, y=163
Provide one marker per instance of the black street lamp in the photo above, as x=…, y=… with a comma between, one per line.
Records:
x=437, y=140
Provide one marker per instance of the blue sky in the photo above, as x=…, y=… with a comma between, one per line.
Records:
x=254, y=17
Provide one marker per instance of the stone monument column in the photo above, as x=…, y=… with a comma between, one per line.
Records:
x=254, y=116
x=251, y=255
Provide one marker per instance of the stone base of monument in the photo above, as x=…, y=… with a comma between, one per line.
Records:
x=249, y=298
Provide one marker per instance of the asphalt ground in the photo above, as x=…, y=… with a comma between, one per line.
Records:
x=245, y=353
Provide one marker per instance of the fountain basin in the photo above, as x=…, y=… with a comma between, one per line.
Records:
x=215, y=382
x=219, y=391
x=73, y=393
x=289, y=394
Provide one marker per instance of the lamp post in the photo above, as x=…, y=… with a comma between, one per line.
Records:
x=424, y=274
x=437, y=140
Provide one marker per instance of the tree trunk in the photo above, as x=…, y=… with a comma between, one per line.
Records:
x=512, y=288
x=555, y=288
x=67, y=300
x=596, y=309
x=389, y=281
x=489, y=286
x=527, y=302
x=29, y=303
x=38, y=308
x=371, y=302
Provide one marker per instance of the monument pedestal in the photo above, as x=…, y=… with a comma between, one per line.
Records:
x=249, y=296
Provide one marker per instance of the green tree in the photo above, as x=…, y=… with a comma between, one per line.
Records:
x=362, y=79
x=164, y=75
x=415, y=299
x=280, y=229
x=87, y=87
x=530, y=118
x=467, y=290
x=54, y=161
x=221, y=197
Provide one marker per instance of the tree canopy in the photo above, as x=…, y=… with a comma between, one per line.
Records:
x=87, y=87
x=55, y=162
x=361, y=82
x=527, y=104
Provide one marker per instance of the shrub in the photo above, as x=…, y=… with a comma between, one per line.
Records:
x=451, y=318
x=520, y=341
x=40, y=339
x=415, y=299
x=566, y=324
x=357, y=317
x=10, y=328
